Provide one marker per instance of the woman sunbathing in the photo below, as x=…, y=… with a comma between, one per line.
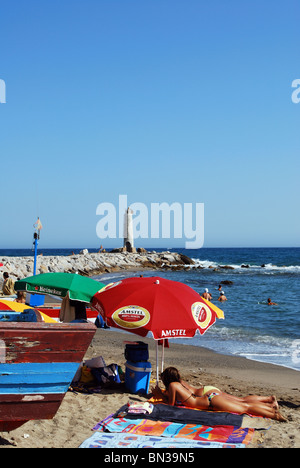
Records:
x=211, y=398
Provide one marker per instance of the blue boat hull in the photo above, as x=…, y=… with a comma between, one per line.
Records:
x=35, y=378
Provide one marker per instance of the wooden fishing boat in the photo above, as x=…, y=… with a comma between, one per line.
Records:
x=54, y=313
x=52, y=305
x=38, y=361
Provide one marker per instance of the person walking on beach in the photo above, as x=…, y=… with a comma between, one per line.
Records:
x=211, y=398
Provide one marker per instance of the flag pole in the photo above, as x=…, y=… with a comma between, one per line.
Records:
x=36, y=299
x=35, y=236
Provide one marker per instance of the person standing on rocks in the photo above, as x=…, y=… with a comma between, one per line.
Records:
x=8, y=285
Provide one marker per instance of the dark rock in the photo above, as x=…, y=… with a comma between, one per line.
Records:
x=186, y=260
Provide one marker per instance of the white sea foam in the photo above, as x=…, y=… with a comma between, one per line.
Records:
x=240, y=342
x=244, y=267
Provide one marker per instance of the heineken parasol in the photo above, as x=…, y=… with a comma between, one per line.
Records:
x=80, y=288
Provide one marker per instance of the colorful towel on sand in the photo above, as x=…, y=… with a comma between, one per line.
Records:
x=120, y=440
x=146, y=427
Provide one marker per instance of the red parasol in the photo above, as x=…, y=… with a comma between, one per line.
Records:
x=161, y=307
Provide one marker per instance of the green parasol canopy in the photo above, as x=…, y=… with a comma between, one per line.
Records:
x=80, y=288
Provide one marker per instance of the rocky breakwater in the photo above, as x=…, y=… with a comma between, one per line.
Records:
x=91, y=264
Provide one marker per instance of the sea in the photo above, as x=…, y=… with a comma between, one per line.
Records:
x=251, y=328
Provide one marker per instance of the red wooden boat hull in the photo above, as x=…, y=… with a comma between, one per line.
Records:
x=37, y=364
x=54, y=312
x=14, y=412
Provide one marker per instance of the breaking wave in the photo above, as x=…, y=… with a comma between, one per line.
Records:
x=267, y=268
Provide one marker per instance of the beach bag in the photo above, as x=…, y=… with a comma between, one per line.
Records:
x=87, y=377
x=106, y=375
x=95, y=362
x=136, y=352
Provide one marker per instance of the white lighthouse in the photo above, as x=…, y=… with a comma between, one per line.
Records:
x=128, y=231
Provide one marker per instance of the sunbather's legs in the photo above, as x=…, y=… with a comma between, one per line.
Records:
x=270, y=400
x=222, y=403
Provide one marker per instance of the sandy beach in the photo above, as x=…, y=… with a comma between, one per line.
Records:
x=80, y=412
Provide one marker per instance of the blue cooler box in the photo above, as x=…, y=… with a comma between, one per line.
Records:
x=137, y=376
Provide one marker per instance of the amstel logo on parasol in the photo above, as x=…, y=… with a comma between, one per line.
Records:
x=131, y=317
x=202, y=314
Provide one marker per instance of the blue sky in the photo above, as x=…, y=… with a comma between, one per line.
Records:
x=161, y=100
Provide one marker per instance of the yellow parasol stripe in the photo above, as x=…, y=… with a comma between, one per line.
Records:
x=219, y=312
x=47, y=319
x=18, y=307
x=15, y=306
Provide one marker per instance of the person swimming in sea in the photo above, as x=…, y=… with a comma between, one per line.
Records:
x=212, y=398
x=222, y=297
x=206, y=295
x=270, y=302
